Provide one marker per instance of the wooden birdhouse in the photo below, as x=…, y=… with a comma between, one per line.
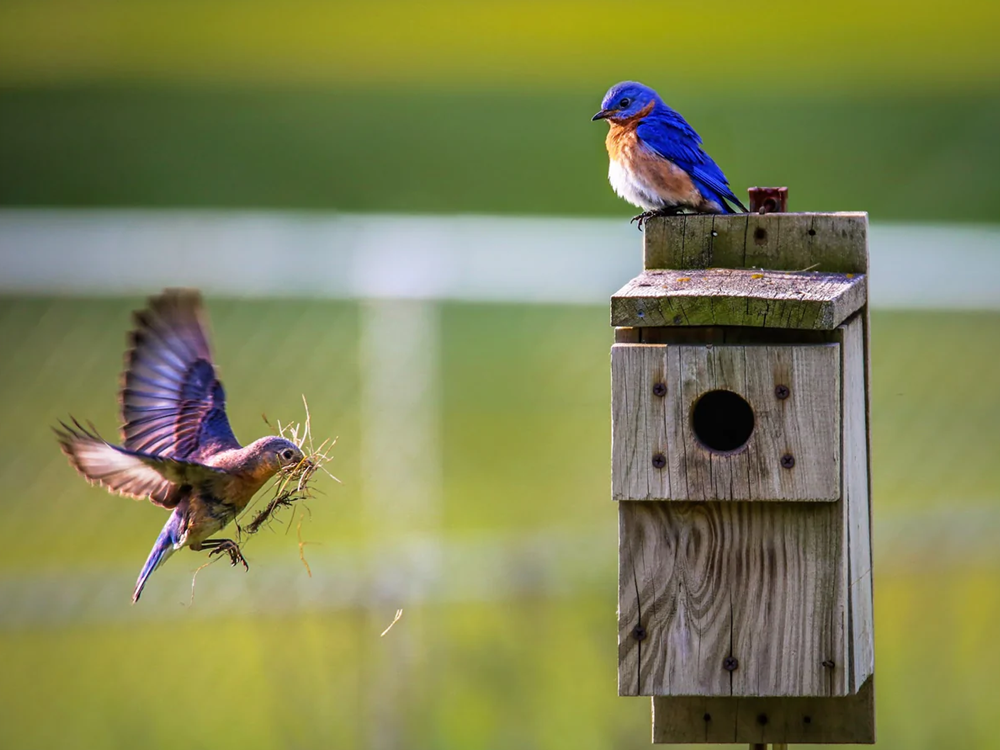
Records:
x=740, y=467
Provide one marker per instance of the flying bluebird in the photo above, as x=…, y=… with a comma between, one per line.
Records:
x=178, y=449
x=657, y=162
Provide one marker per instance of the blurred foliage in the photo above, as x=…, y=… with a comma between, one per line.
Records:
x=899, y=157
x=542, y=44
x=447, y=106
x=525, y=431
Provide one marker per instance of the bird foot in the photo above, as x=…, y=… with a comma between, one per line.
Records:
x=667, y=211
x=641, y=218
x=232, y=549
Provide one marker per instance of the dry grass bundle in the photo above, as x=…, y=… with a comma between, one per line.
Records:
x=294, y=483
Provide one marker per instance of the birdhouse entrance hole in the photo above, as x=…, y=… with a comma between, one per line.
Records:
x=722, y=421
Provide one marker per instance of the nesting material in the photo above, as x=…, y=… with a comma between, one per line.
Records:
x=294, y=483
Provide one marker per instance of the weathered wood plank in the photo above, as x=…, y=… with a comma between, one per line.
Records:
x=639, y=435
x=707, y=581
x=702, y=474
x=739, y=297
x=805, y=425
x=695, y=719
x=673, y=585
x=834, y=242
x=729, y=335
x=628, y=336
x=856, y=503
x=809, y=720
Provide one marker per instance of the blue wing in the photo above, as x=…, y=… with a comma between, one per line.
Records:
x=670, y=136
x=173, y=405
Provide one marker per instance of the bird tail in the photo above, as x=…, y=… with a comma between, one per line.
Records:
x=164, y=547
x=733, y=199
x=724, y=199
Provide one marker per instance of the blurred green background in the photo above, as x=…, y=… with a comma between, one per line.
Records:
x=448, y=108
x=891, y=107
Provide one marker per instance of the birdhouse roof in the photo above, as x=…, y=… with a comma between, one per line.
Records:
x=739, y=297
x=779, y=270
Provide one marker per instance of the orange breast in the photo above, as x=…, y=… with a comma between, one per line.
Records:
x=665, y=178
x=622, y=137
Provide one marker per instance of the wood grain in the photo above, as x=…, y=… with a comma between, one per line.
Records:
x=739, y=297
x=707, y=581
x=809, y=720
x=628, y=336
x=856, y=503
x=641, y=420
x=834, y=242
x=806, y=425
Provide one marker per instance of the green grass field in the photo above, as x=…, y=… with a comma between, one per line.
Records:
x=901, y=157
x=525, y=431
x=444, y=107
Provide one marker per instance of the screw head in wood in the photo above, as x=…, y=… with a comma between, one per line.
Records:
x=659, y=389
x=782, y=391
x=787, y=461
x=730, y=663
x=659, y=460
x=639, y=633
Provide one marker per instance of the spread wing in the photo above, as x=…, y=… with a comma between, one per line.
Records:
x=129, y=473
x=172, y=403
x=670, y=136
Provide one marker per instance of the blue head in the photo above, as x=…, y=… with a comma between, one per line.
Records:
x=626, y=99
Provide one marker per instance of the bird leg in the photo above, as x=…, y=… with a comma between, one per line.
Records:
x=665, y=211
x=228, y=546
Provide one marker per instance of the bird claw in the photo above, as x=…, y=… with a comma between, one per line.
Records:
x=232, y=549
x=666, y=211
x=641, y=219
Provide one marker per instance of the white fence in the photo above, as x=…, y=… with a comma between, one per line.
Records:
x=423, y=257
x=400, y=266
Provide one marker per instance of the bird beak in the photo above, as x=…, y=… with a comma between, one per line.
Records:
x=602, y=115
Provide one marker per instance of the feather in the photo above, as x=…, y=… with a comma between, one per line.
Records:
x=172, y=403
x=669, y=135
x=131, y=473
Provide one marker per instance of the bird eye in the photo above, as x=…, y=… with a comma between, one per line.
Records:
x=624, y=103
x=287, y=454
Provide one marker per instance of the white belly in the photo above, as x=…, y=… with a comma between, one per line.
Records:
x=629, y=187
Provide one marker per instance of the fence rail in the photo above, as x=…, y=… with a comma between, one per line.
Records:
x=471, y=258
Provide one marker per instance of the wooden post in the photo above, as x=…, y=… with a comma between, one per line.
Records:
x=740, y=467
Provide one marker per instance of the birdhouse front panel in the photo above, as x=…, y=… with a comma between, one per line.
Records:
x=708, y=422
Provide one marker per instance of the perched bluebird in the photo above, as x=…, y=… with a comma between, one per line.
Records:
x=178, y=449
x=657, y=162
